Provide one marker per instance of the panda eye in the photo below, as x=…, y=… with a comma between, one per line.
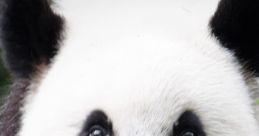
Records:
x=97, y=124
x=97, y=130
x=188, y=133
x=188, y=124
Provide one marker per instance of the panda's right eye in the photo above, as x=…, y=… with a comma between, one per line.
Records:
x=97, y=124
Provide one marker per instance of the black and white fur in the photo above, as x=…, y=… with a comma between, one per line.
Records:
x=124, y=68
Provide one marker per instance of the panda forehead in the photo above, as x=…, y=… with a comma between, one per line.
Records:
x=134, y=90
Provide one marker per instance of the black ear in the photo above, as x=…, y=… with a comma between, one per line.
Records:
x=236, y=25
x=30, y=33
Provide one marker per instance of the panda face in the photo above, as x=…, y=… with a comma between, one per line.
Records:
x=129, y=76
x=139, y=68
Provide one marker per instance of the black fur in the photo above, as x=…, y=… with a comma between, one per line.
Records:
x=236, y=25
x=30, y=33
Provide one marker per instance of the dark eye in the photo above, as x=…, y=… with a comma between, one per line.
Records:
x=188, y=124
x=97, y=130
x=97, y=124
x=188, y=133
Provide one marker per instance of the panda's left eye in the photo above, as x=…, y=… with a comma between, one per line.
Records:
x=97, y=130
x=97, y=124
x=188, y=124
x=188, y=133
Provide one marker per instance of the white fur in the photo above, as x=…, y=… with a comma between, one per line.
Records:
x=143, y=62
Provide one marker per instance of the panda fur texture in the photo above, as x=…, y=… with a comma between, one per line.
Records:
x=130, y=68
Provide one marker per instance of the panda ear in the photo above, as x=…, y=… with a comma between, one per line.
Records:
x=30, y=33
x=236, y=26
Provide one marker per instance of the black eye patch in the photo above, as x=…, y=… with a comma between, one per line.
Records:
x=97, y=124
x=188, y=124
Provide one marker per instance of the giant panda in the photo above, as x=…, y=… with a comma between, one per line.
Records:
x=130, y=67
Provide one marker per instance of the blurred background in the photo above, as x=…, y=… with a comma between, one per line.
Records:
x=4, y=80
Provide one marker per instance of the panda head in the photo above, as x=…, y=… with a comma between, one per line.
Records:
x=130, y=68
